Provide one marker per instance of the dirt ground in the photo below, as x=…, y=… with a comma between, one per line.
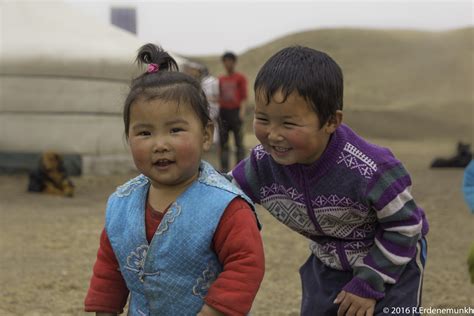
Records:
x=48, y=244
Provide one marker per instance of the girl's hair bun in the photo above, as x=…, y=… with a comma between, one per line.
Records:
x=153, y=54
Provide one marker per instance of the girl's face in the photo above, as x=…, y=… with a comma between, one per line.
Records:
x=290, y=131
x=167, y=141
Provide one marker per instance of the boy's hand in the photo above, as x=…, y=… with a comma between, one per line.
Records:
x=207, y=310
x=352, y=305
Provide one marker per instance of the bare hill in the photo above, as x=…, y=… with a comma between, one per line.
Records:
x=398, y=83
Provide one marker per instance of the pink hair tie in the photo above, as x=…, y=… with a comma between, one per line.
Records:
x=153, y=68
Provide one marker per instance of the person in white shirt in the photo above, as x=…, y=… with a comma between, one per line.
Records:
x=210, y=86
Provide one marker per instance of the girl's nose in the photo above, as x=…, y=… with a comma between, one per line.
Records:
x=160, y=146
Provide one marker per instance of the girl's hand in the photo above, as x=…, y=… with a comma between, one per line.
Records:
x=207, y=310
x=353, y=305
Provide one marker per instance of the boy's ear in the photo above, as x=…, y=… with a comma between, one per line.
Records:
x=334, y=122
x=208, y=136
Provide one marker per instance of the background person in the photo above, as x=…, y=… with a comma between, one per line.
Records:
x=233, y=94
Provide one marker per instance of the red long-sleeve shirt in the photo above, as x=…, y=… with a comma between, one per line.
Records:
x=237, y=243
x=233, y=90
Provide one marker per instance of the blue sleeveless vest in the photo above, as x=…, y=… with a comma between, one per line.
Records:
x=172, y=274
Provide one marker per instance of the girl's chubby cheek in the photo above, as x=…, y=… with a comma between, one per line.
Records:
x=187, y=148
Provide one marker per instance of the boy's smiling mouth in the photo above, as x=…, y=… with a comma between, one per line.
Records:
x=281, y=149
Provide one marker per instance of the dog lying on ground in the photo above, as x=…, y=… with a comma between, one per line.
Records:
x=460, y=160
x=51, y=177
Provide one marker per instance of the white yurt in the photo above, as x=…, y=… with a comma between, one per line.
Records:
x=64, y=77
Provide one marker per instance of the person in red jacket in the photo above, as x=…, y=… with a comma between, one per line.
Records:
x=233, y=94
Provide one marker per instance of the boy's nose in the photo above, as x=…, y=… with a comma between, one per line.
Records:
x=274, y=135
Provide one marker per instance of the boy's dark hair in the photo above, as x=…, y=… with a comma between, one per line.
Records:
x=312, y=74
x=167, y=84
x=229, y=55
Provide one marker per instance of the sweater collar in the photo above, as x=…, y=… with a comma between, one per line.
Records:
x=313, y=172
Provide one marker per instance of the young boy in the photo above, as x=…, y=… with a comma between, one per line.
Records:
x=233, y=93
x=350, y=197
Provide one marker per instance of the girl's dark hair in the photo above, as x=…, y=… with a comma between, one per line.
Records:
x=166, y=84
x=312, y=74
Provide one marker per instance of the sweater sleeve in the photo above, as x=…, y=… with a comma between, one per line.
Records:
x=245, y=176
x=107, y=291
x=238, y=245
x=401, y=224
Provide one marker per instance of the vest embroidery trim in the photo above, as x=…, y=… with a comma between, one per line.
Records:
x=136, y=260
x=127, y=188
x=173, y=212
x=204, y=282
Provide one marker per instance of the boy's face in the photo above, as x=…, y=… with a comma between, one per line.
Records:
x=229, y=65
x=290, y=131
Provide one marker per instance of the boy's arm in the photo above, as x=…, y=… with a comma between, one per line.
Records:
x=238, y=245
x=400, y=223
x=245, y=176
x=107, y=291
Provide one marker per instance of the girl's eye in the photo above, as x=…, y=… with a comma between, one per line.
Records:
x=289, y=124
x=261, y=119
x=176, y=130
x=144, y=133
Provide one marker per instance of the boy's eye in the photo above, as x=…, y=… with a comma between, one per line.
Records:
x=261, y=119
x=144, y=133
x=289, y=124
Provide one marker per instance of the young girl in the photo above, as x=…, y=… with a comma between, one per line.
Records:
x=179, y=237
x=350, y=197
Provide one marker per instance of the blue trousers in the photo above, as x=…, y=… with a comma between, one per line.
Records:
x=321, y=285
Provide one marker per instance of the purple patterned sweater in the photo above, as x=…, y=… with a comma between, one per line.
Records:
x=354, y=203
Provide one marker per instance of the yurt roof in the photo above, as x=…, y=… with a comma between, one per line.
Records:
x=51, y=38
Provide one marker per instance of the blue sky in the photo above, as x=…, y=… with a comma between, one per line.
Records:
x=211, y=27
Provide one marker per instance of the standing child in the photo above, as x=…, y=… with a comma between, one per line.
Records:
x=178, y=237
x=350, y=197
x=233, y=94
